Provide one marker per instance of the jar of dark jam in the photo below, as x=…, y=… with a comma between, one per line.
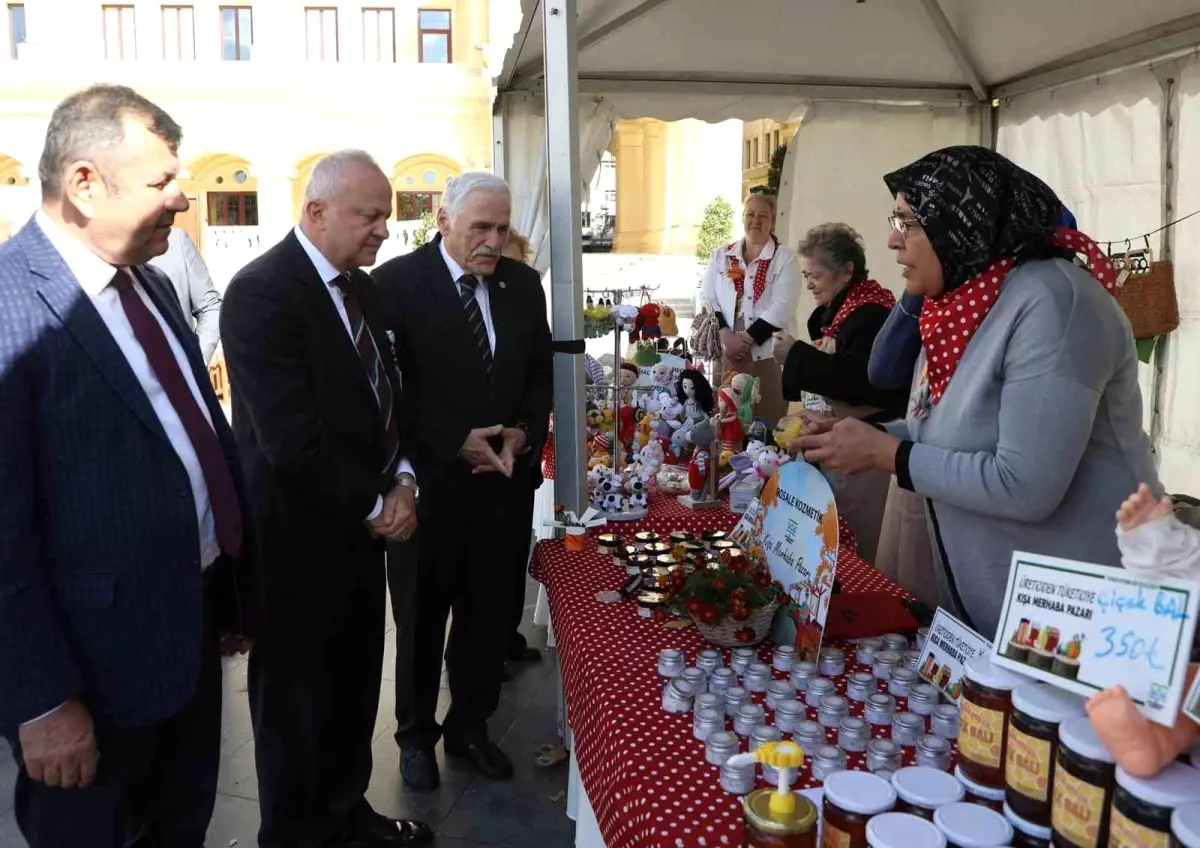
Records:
x=767, y=829
x=1142, y=806
x=1026, y=834
x=678, y=537
x=851, y=799
x=971, y=826
x=646, y=537
x=921, y=790
x=977, y=793
x=1083, y=787
x=1037, y=711
x=983, y=716
x=903, y=830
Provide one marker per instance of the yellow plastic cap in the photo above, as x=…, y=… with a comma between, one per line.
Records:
x=781, y=754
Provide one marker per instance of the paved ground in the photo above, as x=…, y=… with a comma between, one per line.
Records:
x=467, y=812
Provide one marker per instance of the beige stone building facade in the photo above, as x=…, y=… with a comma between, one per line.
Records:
x=760, y=139
x=262, y=89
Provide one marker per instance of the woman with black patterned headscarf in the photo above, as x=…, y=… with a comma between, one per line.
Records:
x=1024, y=430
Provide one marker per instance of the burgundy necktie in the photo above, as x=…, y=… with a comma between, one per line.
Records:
x=222, y=495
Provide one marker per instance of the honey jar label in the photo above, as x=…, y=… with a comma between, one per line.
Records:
x=833, y=837
x=1077, y=809
x=1028, y=767
x=1126, y=833
x=980, y=734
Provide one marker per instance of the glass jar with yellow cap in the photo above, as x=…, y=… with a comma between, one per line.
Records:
x=778, y=818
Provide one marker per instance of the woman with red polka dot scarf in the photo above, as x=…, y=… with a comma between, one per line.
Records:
x=1024, y=428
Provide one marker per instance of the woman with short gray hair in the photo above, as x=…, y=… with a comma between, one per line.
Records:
x=830, y=374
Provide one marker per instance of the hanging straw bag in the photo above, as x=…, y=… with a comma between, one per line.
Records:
x=1147, y=295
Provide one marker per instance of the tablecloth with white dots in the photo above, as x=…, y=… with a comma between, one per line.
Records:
x=644, y=773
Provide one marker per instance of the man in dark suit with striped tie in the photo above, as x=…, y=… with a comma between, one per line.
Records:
x=123, y=536
x=317, y=412
x=474, y=346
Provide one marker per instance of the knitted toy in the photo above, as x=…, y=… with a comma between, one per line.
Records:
x=746, y=392
x=645, y=326
x=732, y=433
x=1154, y=544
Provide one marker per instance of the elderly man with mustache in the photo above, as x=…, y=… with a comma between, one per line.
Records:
x=474, y=347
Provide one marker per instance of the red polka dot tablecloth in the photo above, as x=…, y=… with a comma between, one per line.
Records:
x=644, y=773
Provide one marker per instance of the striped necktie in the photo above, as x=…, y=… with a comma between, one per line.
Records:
x=364, y=342
x=466, y=294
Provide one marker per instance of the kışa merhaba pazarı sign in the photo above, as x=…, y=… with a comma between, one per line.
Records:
x=793, y=524
x=1086, y=628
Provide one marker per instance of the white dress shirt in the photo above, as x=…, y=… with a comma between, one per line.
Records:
x=780, y=296
x=95, y=277
x=328, y=275
x=481, y=294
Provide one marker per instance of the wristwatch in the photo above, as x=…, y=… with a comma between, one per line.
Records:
x=524, y=428
x=409, y=482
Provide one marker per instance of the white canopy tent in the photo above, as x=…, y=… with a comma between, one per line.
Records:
x=1099, y=97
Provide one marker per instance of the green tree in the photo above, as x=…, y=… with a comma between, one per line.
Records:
x=423, y=232
x=775, y=173
x=715, y=229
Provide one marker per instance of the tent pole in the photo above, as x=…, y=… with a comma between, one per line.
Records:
x=499, y=151
x=1168, y=78
x=957, y=49
x=566, y=259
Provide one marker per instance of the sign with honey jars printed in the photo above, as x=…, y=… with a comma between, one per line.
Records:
x=949, y=646
x=1085, y=628
x=1027, y=769
x=1077, y=810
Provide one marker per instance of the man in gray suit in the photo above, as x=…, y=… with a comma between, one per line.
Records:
x=198, y=297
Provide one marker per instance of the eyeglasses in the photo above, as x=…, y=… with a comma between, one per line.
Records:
x=901, y=225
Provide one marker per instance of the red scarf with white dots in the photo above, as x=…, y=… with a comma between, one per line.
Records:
x=948, y=323
x=860, y=294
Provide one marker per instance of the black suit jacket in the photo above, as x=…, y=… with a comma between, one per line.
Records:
x=100, y=580
x=307, y=424
x=447, y=388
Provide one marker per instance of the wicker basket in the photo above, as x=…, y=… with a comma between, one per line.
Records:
x=1148, y=297
x=722, y=633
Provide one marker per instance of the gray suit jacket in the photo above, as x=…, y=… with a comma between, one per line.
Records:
x=1038, y=438
x=198, y=298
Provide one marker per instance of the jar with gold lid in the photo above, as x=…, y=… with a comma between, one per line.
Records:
x=639, y=563
x=678, y=537
x=646, y=537
x=921, y=790
x=721, y=546
x=1037, y=712
x=903, y=830
x=983, y=719
x=852, y=798
x=1142, y=807
x=609, y=543
x=627, y=554
x=971, y=826
x=767, y=828
x=651, y=604
x=710, y=536
x=985, y=796
x=1084, y=779
x=657, y=549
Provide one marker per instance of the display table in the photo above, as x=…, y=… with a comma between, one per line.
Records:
x=643, y=773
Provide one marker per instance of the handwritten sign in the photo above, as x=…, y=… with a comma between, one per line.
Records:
x=793, y=525
x=950, y=644
x=1085, y=628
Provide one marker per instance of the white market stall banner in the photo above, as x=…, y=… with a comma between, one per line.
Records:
x=1086, y=627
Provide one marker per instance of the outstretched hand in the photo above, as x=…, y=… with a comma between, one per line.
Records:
x=1142, y=508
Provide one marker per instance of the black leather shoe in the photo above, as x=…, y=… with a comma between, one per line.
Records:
x=373, y=829
x=484, y=757
x=524, y=654
x=418, y=767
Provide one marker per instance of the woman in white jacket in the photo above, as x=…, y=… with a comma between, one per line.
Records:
x=753, y=285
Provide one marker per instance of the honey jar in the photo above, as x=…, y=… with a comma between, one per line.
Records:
x=985, y=796
x=971, y=826
x=644, y=538
x=903, y=830
x=1032, y=748
x=678, y=537
x=766, y=828
x=1026, y=834
x=1142, y=807
x=921, y=791
x=851, y=799
x=1084, y=778
x=983, y=714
